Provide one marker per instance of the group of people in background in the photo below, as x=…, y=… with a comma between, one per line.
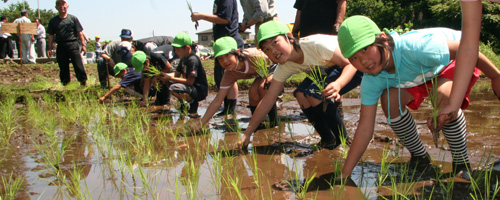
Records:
x=391, y=68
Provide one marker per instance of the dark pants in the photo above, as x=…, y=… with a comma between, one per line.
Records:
x=66, y=52
x=102, y=72
x=6, y=48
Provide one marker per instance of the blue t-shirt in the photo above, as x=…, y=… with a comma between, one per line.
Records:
x=417, y=54
x=132, y=78
x=227, y=9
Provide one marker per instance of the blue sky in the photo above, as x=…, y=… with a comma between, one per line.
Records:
x=165, y=17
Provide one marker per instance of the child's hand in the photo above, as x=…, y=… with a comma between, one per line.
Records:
x=101, y=100
x=194, y=125
x=445, y=115
x=244, y=142
x=331, y=91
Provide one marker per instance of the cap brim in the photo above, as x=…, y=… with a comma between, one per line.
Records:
x=223, y=52
x=176, y=45
x=126, y=36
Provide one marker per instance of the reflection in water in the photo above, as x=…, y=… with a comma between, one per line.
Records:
x=210, y=166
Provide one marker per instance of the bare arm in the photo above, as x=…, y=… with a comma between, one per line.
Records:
x=188, y=81
x=214, y=106
x=261, y=111
x=341, y=9
x=82, y=37
x=332, y=90
x=50, y=40
x=208, y=17
x=296, y=25
x=111, y=91
x=362, y=137
x=467, y=52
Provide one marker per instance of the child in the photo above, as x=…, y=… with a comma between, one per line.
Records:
x=394, y=65
x=239, y=65
x=466, y=58
x=190, y=81
x=131, y=80
x=276, y=41
x=141, y=63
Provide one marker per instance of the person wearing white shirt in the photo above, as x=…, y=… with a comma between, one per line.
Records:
x=40, y=39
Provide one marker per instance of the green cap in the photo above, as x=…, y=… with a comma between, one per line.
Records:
x=224, y=45
x=119, y=67
x=182, y=39
x=138, y=60
x=271, y=29
x=356, y=33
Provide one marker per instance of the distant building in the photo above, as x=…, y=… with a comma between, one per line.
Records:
x=207, y=36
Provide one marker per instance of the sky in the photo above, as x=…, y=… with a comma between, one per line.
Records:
x=106, y=18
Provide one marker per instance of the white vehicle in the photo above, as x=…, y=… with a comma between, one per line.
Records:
x=90, y=58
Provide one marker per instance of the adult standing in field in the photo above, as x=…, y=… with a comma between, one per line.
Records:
x=28, y=41
x=69, y=38
x=98, y=47
x=257, y=12
x=112, y=55
x=40, y=39
x=318, y=16
x=5, y=41
x=225, y=23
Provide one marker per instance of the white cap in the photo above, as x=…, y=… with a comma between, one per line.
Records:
x=148, y=47
x=126, y=44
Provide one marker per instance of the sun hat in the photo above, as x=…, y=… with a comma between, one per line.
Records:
x=118, y=68
x=356, y=33
x=138, y=60
x=126, y=33
x=97, y=36
x=182, y=39
x=271, y=29
x=224, y=45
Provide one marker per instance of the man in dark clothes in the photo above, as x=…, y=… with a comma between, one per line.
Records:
x=5, y=41
x=318, y=16
x=69, y=39
x=150, y=43
x=225, y=20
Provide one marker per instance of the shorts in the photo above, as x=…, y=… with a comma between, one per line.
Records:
x=191, y=90
x=310, y=89
x=420, y=92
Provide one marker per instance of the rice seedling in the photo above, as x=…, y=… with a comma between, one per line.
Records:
x=191, y=179
x=151, y=72
x=383, y=174
x=262, y=67
x=216, y=170
x=318, y=77
x=11, y=186
x=8, y=118
x=191, y=10
x=433, y=98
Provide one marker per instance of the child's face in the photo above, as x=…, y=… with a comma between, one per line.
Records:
x=228, y=61
x=278, y=49
x=181, y=51
x=367, y=60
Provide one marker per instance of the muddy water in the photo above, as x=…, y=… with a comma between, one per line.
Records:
x=282, y=154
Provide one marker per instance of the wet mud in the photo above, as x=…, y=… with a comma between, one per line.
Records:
x=286, y=158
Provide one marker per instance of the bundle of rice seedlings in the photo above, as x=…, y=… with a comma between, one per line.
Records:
x=433, y=98
x=319, y=78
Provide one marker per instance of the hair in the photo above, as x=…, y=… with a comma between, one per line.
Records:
x=239, y=55
x=384, y=43
x=294, y=41
x=3, y=17
x=39, y=20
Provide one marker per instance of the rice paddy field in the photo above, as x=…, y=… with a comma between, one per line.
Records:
x=60, y=143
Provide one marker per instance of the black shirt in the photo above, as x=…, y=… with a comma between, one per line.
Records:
x=163, y=54
x=66, y=30
x=316, y=16
x=158, y=40
x=227, y=9
x=191, y=66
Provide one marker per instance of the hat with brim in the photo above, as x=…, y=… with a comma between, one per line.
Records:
x=138, y=60
x=271, y=29
x=118, y=68
x=356, y=33
x=224, y=45
x=126, y=33
x=182, y=39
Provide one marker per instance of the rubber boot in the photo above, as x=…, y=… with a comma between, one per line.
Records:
x=332, y=118
x=273, y=116
x=228, y=109
x=316, y=119
x=193, y=110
